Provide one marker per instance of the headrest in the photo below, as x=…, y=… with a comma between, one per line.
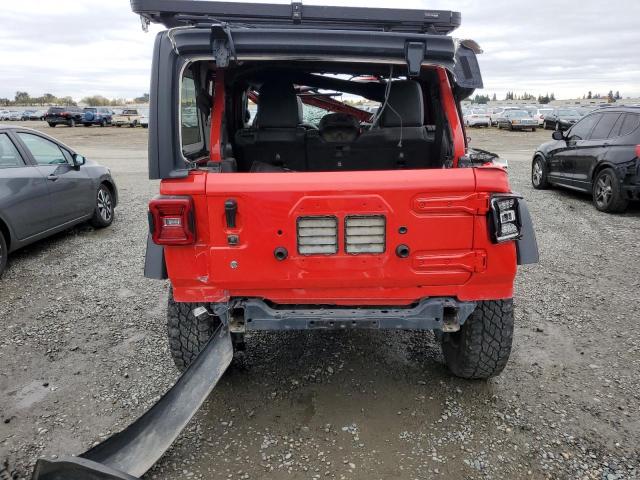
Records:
x=278, y=106
x=339, y=127
x=405, y=100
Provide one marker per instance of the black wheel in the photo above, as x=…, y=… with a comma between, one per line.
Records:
x=533, y=129
x=539, y=178
x=87, y=124
x=481, y=348
x=511, y=127
x=103, y=214
x=52, y=125
x=188, y=335
x=103, y=123
x=3, y=253
x=607, y=194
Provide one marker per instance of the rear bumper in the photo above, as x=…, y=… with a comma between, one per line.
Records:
x=445, y=314
x=58, y=120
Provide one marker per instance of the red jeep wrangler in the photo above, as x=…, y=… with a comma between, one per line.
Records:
x=351, y=200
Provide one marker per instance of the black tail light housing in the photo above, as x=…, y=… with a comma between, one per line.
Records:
x=172, y=220
x=505, y=223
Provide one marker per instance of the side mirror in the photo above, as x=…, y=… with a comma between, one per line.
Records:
x=557, y=135
x=78, y=160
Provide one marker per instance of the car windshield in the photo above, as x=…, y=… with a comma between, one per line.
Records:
x=56, y=109
x=129, y=112
x=568, y=113
x=480, y=111
x=90, y=109
x=517, y=113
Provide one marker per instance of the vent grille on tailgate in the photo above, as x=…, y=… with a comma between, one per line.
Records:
x=317, y=235
x=365, y=234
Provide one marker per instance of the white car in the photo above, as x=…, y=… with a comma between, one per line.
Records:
x=541, y=113
x=144, y=120
x=477, y=117
x=497, y=113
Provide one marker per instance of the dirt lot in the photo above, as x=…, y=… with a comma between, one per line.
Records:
x=84, y=353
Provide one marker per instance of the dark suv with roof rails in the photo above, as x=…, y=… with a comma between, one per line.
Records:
x=598, y=155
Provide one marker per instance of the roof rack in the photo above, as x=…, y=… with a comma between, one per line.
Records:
x=174, y=13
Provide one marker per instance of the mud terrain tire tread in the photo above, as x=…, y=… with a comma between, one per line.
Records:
x=481, y=348
x=187, y=335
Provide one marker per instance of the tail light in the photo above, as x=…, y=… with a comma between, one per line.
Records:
x=505, y=219
x=172, y=221
x=638, y=151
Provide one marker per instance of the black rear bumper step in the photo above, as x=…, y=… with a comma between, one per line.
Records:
x=129, y=454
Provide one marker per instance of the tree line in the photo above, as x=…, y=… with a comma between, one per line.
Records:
x=527, y=97
x=610, y=97
x=24, y=99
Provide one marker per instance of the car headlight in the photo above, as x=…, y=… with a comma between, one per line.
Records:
x=505, y=220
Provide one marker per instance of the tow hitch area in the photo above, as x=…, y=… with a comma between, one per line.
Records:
x=129, y=454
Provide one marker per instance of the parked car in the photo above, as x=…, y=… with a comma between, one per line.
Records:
x=497, y=112
x=97, y=116
x=561, y=119
x=46, y=187
x=37, y=115
x=129, y=116
x=517, y=120
x=540, y=115
x=26, y=114
x=15, y=116
x=600, y=155
x=477, y=117
x=70, y=116
x=4, y=114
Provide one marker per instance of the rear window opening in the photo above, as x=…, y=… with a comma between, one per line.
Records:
x=314, y=118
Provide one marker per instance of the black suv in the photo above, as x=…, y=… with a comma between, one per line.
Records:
x=600, y=154
x=70, y=116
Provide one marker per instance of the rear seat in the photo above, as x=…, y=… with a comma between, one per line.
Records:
x=401, y=139
x=277, y=137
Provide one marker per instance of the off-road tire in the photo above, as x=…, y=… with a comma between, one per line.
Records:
x=105, y=208
x=4, y=253
x=52, y=125
x=481, y=348
x=539, y=179
x=615, y=201
x=187, y=334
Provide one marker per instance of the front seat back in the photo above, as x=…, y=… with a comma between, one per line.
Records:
x=277, y=137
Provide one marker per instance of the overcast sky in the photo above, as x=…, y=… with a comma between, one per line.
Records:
x=86, y=47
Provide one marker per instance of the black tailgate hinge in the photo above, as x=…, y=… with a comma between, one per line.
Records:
x=296, y=12
x=414, y=56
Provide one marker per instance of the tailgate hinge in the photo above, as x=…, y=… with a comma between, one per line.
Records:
x=414, y=56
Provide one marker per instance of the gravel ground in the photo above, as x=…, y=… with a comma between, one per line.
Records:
x=84, y=353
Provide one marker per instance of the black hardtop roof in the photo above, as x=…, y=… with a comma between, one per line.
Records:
x=174, y=13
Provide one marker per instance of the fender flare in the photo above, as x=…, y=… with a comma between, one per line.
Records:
x=155, y=266
x=526, y=245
